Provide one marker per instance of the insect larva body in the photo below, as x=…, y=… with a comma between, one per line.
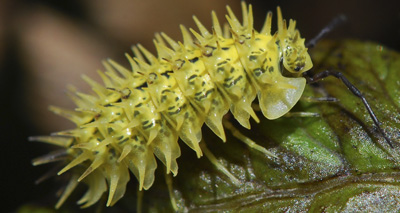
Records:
x=139, y=115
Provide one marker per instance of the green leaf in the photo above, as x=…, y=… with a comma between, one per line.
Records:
x=335, y=162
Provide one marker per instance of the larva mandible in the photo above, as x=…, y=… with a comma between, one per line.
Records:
x=141, y=113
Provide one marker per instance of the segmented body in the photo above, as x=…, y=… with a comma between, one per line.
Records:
x=139, y=114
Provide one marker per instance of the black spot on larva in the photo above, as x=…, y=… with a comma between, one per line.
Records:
x=171, y=107
x=228, y=79
x=177, y=99
x=209, y=92
x=107, y=105
x=141, y=86
x=194, y=60
x=264, y=61
x=145, y=122
x=163, y=98
x=91, y=121
x=148, y=126
x=220, y=69
x=175, y=112
x=166, y=90
x=222, y=63
x=237, y=79
x=225, y=48
x=112, y=153
x=123, y=141
x=271, y=69
x=135, y=113
x=192, y=77
x=139, y=105
x=182, y=62
x=258, y=72
x=232, y=70
x=166, y=73
x=253, y=58
x=213, y=48
x=227, y=85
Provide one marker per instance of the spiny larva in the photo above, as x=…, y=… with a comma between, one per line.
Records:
x=139, y=114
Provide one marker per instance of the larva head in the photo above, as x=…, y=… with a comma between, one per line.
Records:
x=294, y=54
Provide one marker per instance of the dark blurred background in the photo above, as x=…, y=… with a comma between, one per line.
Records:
x=46, y=45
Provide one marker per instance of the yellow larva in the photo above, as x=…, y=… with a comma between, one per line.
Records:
x=139, y=114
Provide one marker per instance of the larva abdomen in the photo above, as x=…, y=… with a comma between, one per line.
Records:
x=141, y=113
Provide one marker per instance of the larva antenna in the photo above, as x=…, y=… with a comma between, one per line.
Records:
x=321, y=75
x=340, y=19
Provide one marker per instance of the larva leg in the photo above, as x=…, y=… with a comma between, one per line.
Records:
x=168, y=180
x=235, y=132
x=354, y=90
x=139, y=201
x=311, y=100
x=319, y=99
x=218, y=165
x=301, y=114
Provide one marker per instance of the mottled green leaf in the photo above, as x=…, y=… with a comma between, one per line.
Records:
x=335, y=162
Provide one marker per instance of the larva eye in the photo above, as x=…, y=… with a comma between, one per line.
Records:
x=297, y=68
